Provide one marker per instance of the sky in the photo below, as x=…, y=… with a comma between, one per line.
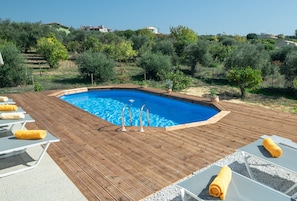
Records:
x=205, y=17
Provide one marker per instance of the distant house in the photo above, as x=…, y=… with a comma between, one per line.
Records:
x=59, y=27
x=152, y=29
x=100, y=28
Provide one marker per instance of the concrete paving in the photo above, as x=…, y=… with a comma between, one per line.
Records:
x=46, y=182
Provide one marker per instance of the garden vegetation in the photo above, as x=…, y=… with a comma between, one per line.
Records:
x=251, y=63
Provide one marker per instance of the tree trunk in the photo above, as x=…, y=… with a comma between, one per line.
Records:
x=242, y=90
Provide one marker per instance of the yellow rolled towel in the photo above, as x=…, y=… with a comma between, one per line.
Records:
x=8, y=108
x=272, y=147
x=12, y=115
x=219, y=186
x=30, y=134
x=3, y=98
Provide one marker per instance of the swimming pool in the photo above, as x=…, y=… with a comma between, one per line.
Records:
x=116, y=105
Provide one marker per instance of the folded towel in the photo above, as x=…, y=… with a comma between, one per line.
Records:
x=3, y=98
x=8, y=108
x=12, y=115
x=272, y=148
x=30, y=134
x=219, y=186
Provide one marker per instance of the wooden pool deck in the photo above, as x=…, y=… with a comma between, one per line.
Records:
x=108, y=164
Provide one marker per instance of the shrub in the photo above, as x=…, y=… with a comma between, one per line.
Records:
x=52, y=50
x=153, y=63
x=37, y=86
x=13, y=72
x=179, y=79
x=97, y=64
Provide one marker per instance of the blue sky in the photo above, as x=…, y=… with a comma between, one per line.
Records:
x=203, y=16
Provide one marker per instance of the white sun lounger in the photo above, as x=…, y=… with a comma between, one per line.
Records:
x=7, y=125
x=286, y=161
x=8, y=102
x=11, y=144
x=240, y=188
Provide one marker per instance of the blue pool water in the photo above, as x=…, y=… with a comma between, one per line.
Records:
x=163, y=112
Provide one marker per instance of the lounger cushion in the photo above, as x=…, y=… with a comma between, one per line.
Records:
x=272, y=147
x=12, y=116
x=3, y=98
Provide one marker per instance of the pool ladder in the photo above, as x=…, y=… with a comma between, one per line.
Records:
x=140, y=116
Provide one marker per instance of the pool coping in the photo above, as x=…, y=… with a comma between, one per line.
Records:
x=175, y=95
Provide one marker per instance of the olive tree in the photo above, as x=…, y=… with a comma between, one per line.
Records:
x=96, y=64
x=182, y=36
x=13, y=72
x=153, y=63
x=289, y=68
x=197, y=53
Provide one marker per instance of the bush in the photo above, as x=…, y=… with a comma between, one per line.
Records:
x=52, y=50
x=153, y=63
x=97, y=64
x=13, y=72
x=179, y=79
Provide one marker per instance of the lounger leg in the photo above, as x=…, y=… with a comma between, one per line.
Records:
x=294, y=196
x=183, y=195
x=30, y=167
x=247, y=165
x=290, y=189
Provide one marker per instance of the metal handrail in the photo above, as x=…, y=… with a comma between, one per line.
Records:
x=147, y=116
x=123, y=118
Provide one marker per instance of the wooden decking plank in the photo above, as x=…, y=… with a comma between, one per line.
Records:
x=107, y=164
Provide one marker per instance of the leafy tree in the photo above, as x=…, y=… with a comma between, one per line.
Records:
x=164, y=46
x=92, y=43
x=52, y=50
x=183, y=36
x=245, y=78
x=219, y=51
x=97, y=64
x=197, y=53
x=251, y=55
x=289, y=69
x=280, y=54
x=153, y=63
x=180, y=80
x=127, y=34
x=228, y=41
x=141, y=44
x=13, y=72
x=251, y=36
x=121, y=51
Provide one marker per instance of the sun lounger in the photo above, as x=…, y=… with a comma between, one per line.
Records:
x=286, y=161
x=8, y=102
x=240, y=188
x=7, y=125
x=11, y=144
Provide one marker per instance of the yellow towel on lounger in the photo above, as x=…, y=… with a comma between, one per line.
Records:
x=3, y=98
x=12, y=115
x=30, y=134
x=272, y=148
x=219, y=186
x=8, y=108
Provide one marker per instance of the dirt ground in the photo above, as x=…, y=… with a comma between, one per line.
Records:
x=276, y=104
